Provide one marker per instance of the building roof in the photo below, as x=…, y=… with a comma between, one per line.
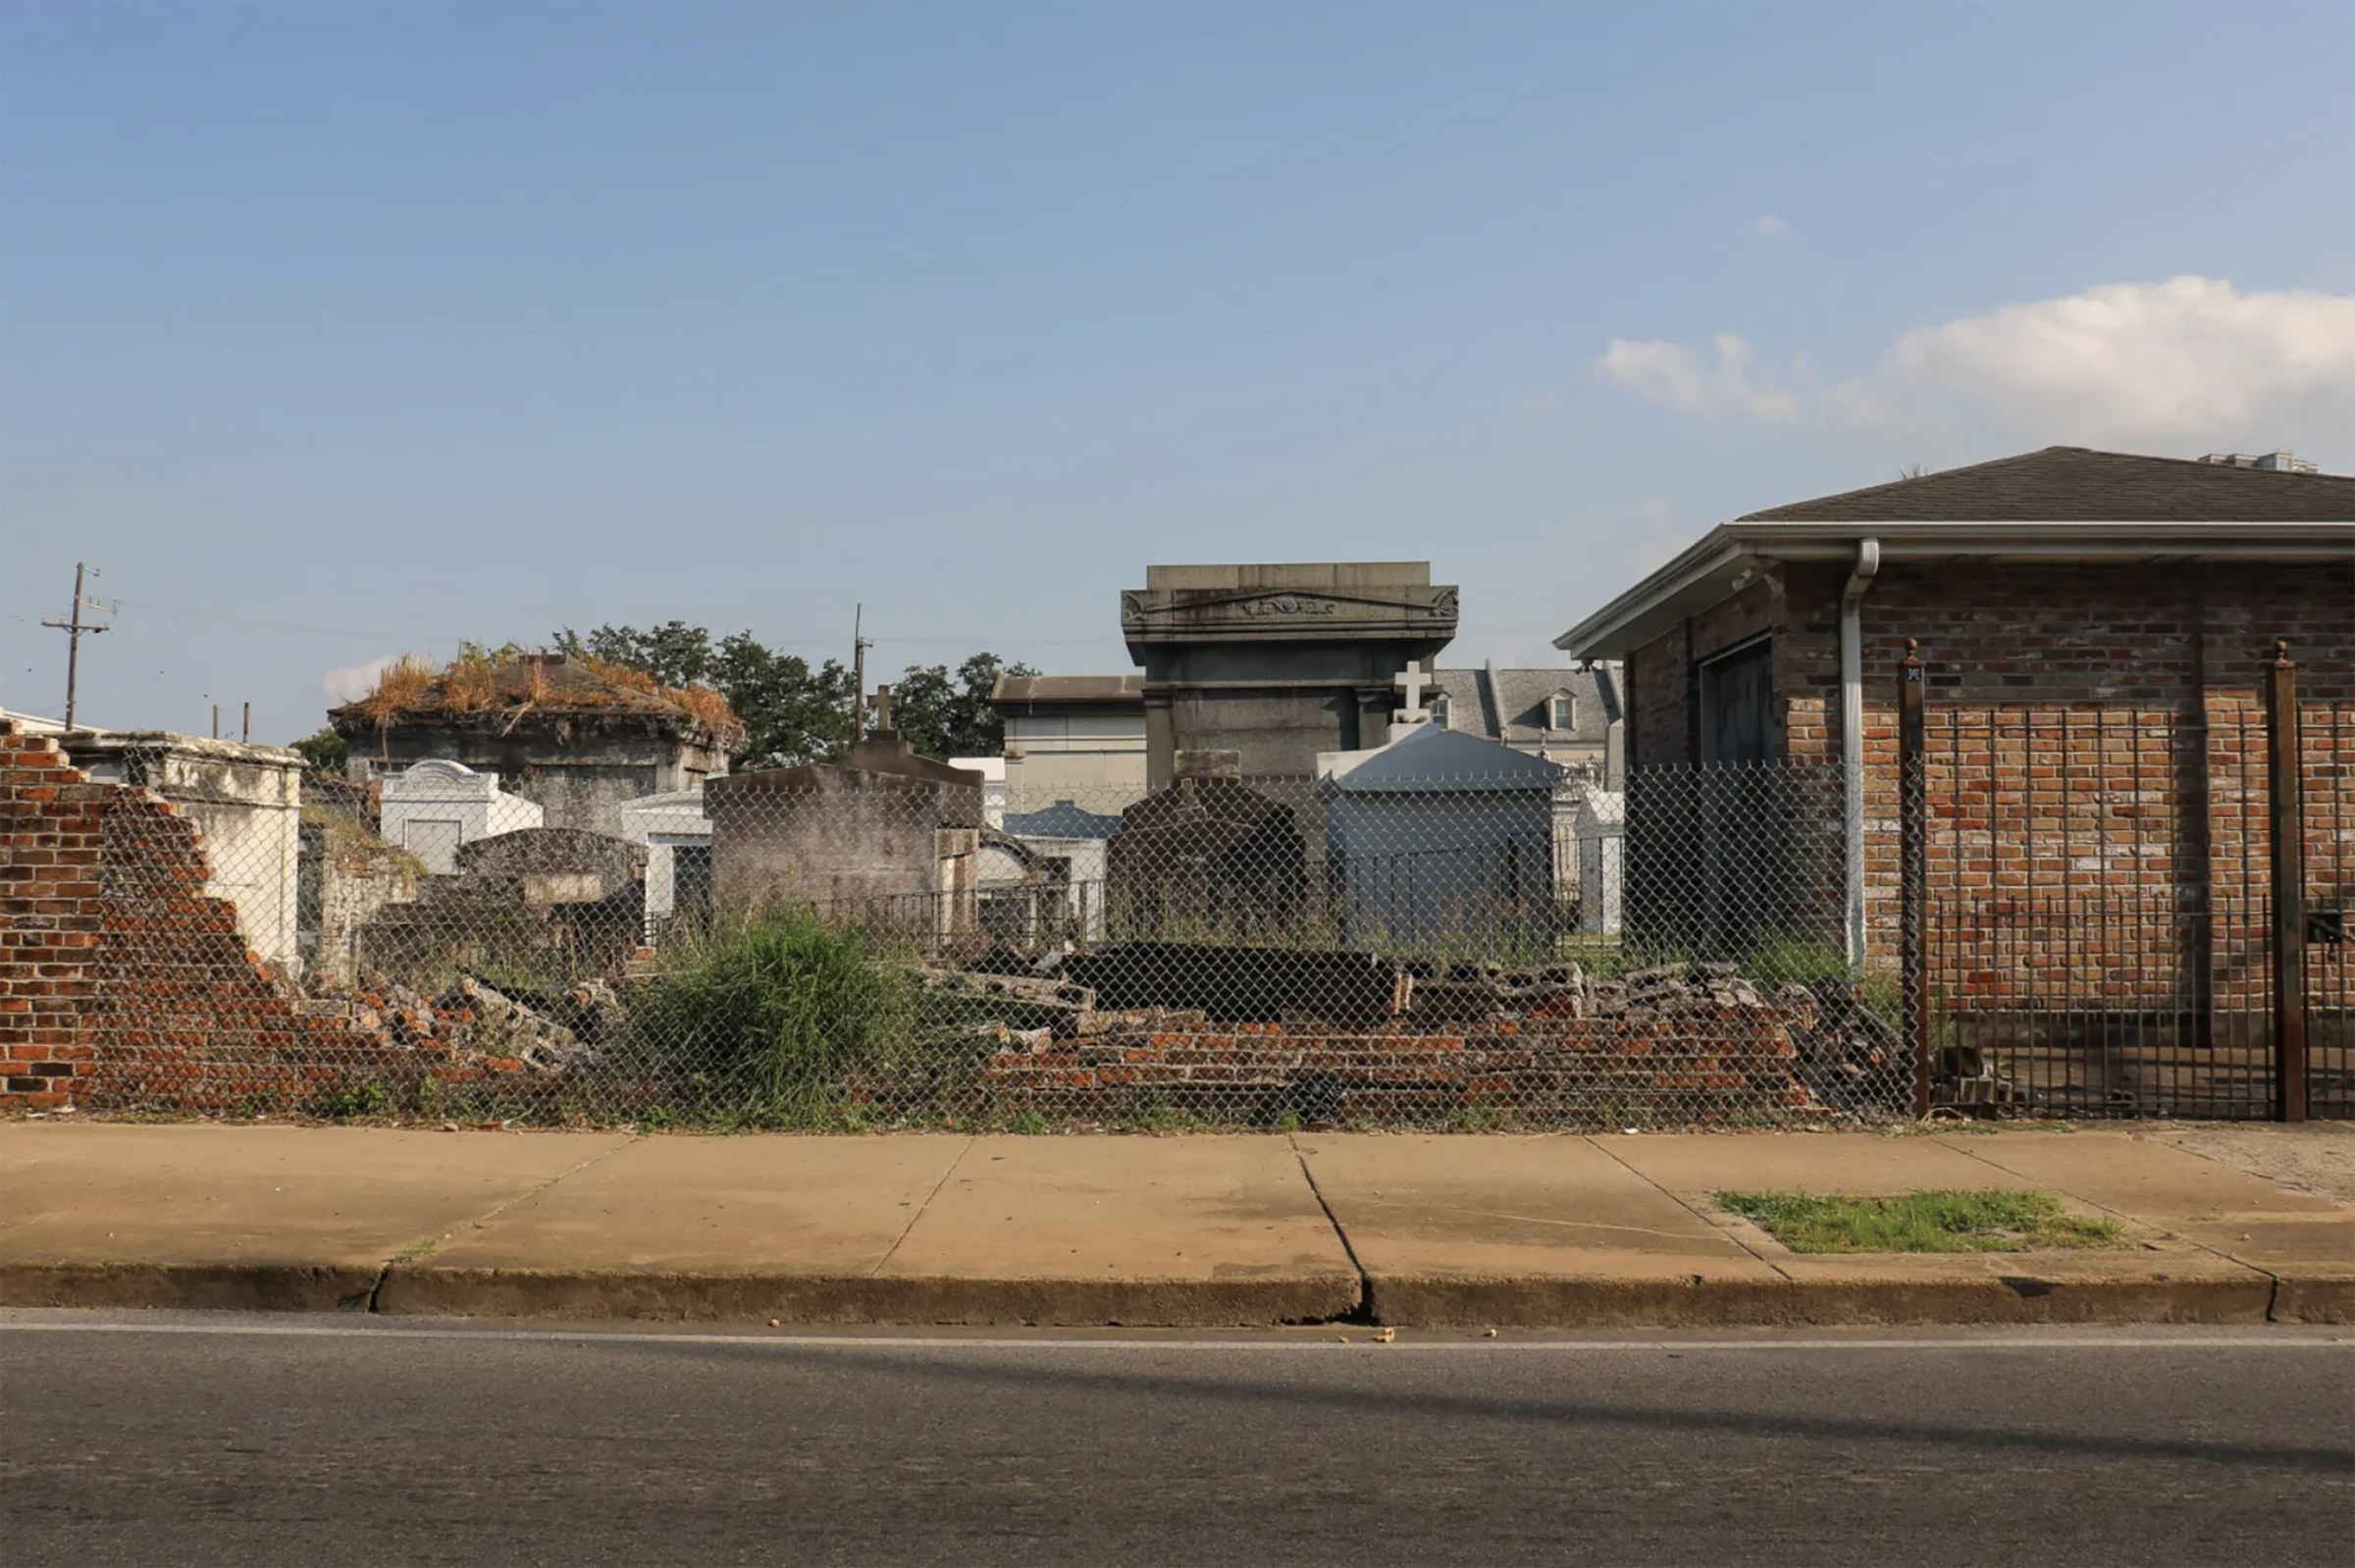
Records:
x=2063, y=503
x=1064, y=819
x=1067, y=691
x=1427, y=757
x=2071, y=483
x=509, y=685
x=1511, y=705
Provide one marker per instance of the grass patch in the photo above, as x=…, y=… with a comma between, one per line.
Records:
x=1995, y=1219
x=767, y=1021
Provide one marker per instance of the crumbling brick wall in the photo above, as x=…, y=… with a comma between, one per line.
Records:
x=124, y=984
x=50, y=920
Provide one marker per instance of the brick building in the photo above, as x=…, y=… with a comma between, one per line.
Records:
x=2096, y=629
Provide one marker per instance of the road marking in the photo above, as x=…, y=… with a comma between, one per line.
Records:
x=1327, y=1339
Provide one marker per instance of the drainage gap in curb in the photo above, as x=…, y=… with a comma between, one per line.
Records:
x=1363, y=1311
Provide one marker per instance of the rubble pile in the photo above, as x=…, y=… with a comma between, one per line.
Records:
x=477, y=1022
x=1687, y=1043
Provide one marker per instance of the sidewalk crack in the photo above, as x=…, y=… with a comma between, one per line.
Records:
x=1365, y=1284
x=1730, y=1232
x=425, y=1248
x=2273, y=1278
x=921, y=1210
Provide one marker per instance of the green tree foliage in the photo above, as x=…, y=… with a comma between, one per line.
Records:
x=324, y=752
x=945, y=715
x=793, y=712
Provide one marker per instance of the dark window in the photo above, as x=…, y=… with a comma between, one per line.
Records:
x=1737, y=695
x=691, y=884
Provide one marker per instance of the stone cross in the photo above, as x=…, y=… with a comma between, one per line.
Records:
x=884, y=708
x=1411, y=681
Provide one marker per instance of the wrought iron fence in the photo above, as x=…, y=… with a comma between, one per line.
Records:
x=2099, y=914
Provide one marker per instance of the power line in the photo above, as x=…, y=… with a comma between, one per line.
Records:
x=73, y=629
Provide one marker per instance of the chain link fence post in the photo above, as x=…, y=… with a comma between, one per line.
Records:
x=2287, y=821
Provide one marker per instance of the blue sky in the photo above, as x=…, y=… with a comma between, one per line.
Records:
x=331, y=331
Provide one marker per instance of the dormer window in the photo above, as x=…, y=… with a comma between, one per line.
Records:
x=1439, y=710
x=1561, y=712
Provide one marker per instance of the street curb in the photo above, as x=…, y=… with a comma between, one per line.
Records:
x=2321, y=1299
x=1700, y=1303
x=189, y=1286
x=426, y=1290
x=1403, y=1301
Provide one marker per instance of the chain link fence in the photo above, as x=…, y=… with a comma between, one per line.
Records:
x=845, y=948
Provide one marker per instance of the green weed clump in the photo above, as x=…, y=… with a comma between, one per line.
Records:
x=773, y=1016
x=352, y=1100
x=1993, y=1219
x=1782, y=959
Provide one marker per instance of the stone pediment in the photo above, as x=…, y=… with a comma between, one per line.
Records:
x=1421, y=610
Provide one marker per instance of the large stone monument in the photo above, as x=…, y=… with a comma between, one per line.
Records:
x=1277, y=662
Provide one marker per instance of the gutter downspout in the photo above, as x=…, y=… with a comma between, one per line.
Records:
x=1852, y=733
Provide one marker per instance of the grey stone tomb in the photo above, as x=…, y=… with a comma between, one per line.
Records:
x=1279, y=662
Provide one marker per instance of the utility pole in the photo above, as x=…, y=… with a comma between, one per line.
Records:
x=859, y=647
x=73, y=629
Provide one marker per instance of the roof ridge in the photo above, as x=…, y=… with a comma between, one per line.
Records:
x=2076, y=483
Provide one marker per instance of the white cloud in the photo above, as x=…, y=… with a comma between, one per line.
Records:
x=2192, y=363
x=354, y=681
x=1772, y=227
x=2188, y=362
x=1671, y=373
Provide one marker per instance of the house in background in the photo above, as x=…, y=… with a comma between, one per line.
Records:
x=1556, y=715
x=1072, y=738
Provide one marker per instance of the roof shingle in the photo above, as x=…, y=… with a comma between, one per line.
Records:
x=2074, y=484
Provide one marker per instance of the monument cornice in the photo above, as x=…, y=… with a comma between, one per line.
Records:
x=1413, y=613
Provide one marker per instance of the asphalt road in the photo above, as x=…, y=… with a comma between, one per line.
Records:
x=255, y=1442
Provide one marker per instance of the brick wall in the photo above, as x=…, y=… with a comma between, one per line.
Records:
x=1735, y=1067
x=2097, y=757
x=124, y=984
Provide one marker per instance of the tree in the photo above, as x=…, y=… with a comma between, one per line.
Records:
x=792, y=713
x=324, y=752
x=944, y=716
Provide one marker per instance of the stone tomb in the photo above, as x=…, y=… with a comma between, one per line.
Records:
x=880, y=836
x=1277, y=663
x=1441, y=838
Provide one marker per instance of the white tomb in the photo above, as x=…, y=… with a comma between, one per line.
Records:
x=1441, y=836
x=432, y=806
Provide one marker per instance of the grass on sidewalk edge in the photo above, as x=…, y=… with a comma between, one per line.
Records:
x=1991, y=1220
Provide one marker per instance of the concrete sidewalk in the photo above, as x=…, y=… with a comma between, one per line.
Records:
x=1463, y=1231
